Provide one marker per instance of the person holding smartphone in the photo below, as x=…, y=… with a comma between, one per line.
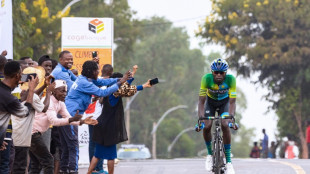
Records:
x=78, y=99
x=9, y=104
x=112, y=118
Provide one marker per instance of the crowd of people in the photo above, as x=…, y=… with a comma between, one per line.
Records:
x=286, y=148
x=39, y=117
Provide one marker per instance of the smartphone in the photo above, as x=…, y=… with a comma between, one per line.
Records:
x=26, y=77
x=154, y=81
x=7, y=139
x=94, y=54
x=52, y=79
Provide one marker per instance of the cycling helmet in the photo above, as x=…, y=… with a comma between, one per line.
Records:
x=219, y=65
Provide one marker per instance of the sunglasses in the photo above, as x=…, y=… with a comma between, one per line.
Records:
x=219, y=72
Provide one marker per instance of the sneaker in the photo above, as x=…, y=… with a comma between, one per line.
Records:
x=230, y=169
x=209, y=163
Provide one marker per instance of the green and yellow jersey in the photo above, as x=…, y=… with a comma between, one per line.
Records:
x=215, y=91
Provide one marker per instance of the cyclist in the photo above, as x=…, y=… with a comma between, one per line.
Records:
x=218, y=90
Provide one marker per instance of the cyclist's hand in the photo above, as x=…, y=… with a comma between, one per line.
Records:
x=199, y=126
x=233, y=124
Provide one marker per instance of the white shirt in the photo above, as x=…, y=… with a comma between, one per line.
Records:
x=22, y=127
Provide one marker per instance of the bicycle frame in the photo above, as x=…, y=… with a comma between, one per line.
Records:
x=219, y=164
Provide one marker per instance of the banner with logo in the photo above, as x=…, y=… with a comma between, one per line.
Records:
x=82, y=36
x=6, y=27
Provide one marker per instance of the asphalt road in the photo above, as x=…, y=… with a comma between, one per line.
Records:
x=196, y=166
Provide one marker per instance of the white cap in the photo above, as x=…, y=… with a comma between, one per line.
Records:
x=60, y=83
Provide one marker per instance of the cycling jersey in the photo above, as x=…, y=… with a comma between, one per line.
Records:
x=218, y=92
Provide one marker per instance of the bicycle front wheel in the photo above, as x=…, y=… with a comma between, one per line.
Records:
x=217, y=157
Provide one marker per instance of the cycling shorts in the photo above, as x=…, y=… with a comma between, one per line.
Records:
x=212, y=105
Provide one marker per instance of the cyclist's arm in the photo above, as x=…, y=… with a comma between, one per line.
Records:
x=201, y=106
x=202, y=96
x=232, y=96
x=232, y=106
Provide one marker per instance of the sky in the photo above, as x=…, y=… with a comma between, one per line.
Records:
x=188, y=13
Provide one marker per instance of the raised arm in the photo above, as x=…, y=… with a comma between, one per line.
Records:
x=105, y=82
x=46, y=102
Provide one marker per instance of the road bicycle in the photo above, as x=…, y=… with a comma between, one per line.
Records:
x=219, y=160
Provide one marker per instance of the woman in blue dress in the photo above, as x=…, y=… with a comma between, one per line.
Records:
x=111, y=128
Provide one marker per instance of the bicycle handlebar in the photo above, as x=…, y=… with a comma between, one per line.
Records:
x=214, y=118
x=232, y=125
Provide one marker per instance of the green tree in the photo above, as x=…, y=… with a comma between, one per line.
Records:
x=163, y=51
x=125, y=30
x=36, y=29
x=272, y=39
x=37, y=26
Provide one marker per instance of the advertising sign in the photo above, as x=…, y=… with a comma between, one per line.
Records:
x=82, y=36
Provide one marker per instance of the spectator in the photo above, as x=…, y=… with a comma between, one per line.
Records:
x=22, y=128
x=3, y=61
x=23, y=64
x=4, y=53
x=291, y=151
x=62, y=70
x=255, y=151
x=28, y=61
x=78, y=99
x=308, y=137
x=265, y=144
x=75, y=72
x=46, y=63
x=283, y=146
x=39, y=152
x=9, y=104
x=35, y=64
x=272, y=149
x=111, y=129
x=54, y=64
x=106, y=72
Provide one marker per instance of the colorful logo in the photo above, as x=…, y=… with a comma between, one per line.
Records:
x=96, y=26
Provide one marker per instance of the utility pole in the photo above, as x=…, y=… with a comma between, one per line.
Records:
x=155, y=126
x=176, y=139
x=127, y=112
x=154, y=142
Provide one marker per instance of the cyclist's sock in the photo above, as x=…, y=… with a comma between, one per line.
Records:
x=227, y=148
x=209, y=147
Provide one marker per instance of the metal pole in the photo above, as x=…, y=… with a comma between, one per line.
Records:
x=177, y=137
x=128, y=120
x=165, y=114
x=127, y=112
x=154, y=143
x=68, y=6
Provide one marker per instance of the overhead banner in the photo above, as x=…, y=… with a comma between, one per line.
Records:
x=82, y=36
x=6, y=28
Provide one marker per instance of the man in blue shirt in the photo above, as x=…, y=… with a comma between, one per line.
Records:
x=62, y=70
x=77, y=100
x=265, y=145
